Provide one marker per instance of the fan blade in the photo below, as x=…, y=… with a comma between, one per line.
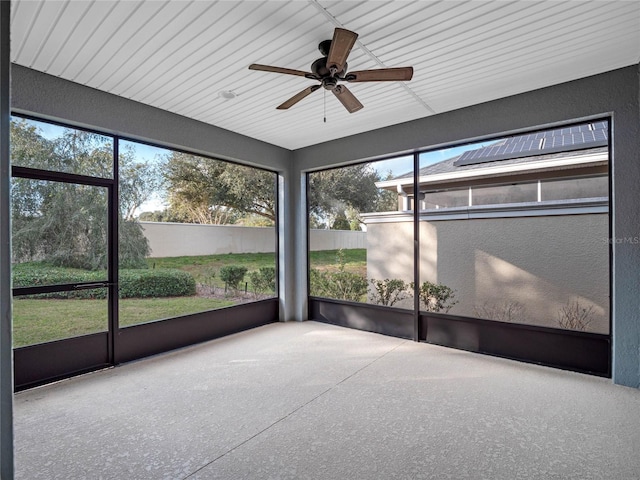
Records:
x=401, y=74
x=267, y=68
x=347, y=98
x=297, y=97
x=341, y=45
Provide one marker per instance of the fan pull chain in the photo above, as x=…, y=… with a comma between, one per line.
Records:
x=325, y=105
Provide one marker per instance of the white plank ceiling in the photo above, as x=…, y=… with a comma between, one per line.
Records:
x=181, y=55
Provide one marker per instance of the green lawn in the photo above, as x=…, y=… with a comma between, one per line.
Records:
x=44, y=320
x=205, y=268
x=355, y=260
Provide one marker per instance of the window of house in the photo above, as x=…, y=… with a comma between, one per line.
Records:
x=446, y=199
x=575, y=188
x=505, y=194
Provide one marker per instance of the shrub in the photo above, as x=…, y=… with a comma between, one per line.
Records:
x=232, y=275
x=340, y=285
x=502, y=312
x=574, y=316
x=316, y=283
x=436, y=297
x=32, y=274
x=263, y=280
x=132, y=283
x=206, y=278
x=163, y=282
x=388, y=291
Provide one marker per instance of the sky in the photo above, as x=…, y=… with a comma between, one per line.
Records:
x=402, y=165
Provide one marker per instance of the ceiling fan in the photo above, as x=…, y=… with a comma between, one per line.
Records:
x=332, y=69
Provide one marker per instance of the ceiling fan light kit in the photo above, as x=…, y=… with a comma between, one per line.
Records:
x=332, y=69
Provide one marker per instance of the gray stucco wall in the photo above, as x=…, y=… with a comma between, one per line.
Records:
x=542, y=263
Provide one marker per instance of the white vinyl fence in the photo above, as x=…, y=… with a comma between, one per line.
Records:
x=188, y=239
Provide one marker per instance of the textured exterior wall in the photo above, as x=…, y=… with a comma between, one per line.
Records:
x=187, y=239
x=539, y=262
x=390, y=251
x=336, y=239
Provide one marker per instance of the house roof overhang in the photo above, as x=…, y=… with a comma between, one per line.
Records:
x=585, y=163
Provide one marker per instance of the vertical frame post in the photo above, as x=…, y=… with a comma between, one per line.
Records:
x=112, y=249
x=416, y=248
x=6, y=352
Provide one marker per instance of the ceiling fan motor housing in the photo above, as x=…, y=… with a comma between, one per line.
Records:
x=319, y=67
x=329, y=83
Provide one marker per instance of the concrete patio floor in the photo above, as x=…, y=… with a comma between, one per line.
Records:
x=315, y=401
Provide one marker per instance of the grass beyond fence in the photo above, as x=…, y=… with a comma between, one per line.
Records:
x=43, y=320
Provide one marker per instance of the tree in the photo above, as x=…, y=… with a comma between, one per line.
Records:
x=66, y=224
x=341, y=222
x=138, y=181
x=74, y=151
x=338, y=196
x=387, y=199
x=251, y=190
x=155, y=216
x=204, y=190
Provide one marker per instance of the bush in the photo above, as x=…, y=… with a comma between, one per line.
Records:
x=502, y=312
x=575, y=316
x=34, y=274
x=132, y=283
x=162, y=282
x=263, y=280
x=316, y=283
x=436, y=297
x=339, y=285
x=232, y=275
x=388, y=291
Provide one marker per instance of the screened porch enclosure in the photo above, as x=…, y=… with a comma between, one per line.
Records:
x=513, y=254
x=89, y=292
